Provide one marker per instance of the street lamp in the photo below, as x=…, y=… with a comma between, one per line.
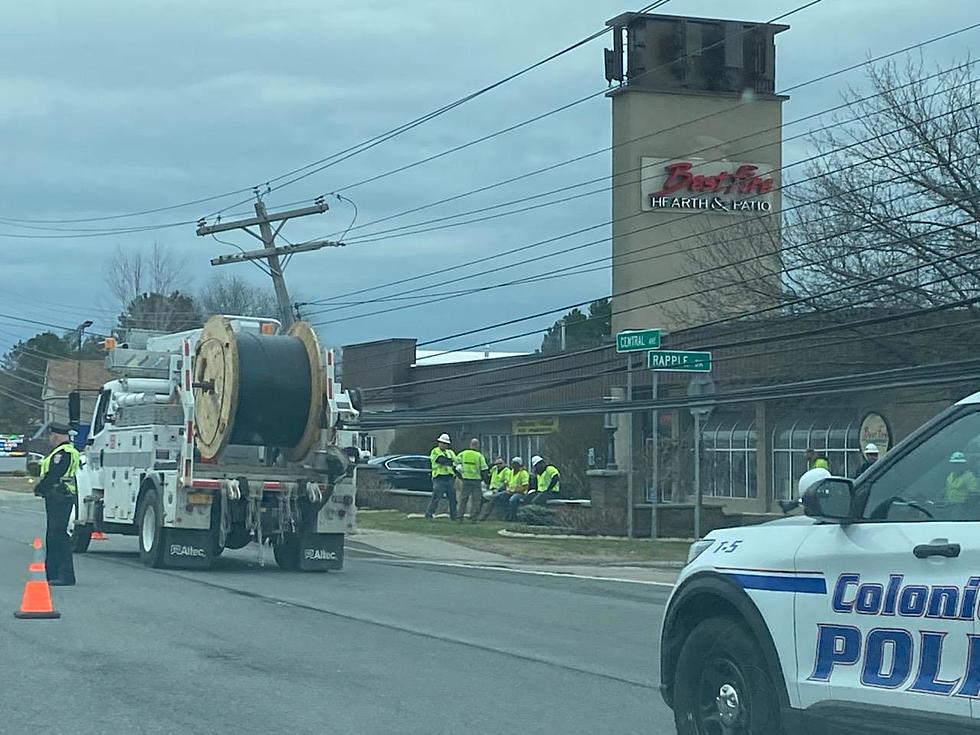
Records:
x=80, y=330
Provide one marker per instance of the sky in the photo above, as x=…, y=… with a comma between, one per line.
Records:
x=115, y=107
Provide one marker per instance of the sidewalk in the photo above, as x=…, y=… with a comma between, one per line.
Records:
x=417, y=548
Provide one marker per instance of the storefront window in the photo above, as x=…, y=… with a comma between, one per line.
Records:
x=728, y=453
x=837, y=439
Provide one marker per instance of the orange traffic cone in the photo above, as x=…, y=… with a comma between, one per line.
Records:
x=99, y=536
x=36, y=602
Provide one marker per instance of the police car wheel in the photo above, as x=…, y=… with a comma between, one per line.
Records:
x=722, y=685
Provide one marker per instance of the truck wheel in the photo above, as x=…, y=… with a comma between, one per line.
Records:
x=151, y=532
x=81, y=537
x=286, y=552
x=722, y=685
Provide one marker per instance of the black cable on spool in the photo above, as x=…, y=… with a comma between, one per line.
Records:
x=274, y=391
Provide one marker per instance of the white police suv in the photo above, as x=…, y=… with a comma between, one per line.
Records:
x=861, y=616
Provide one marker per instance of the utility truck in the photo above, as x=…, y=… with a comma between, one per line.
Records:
x=217, y=437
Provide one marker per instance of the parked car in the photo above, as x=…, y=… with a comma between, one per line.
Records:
x=405, y=471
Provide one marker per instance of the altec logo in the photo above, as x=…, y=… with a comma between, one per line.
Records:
x=179, y=550
x=712, y=187
x=319, y=554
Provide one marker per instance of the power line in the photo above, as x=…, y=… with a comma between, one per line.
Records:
x=609, y=148
x=544, y=115
x=584, y=245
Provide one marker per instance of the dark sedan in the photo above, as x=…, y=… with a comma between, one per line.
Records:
x=405, y=471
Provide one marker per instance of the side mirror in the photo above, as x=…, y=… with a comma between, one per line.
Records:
x=830, y=499
x=90, y=442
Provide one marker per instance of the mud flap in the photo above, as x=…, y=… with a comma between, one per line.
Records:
x=187, y=549
x=321, y=551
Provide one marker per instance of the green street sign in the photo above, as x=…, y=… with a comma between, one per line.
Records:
x=638, y=340
x=696, y=362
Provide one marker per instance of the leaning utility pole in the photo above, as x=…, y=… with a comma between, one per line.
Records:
x=271, y=253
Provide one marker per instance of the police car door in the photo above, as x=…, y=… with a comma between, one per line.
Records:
x=896, y=625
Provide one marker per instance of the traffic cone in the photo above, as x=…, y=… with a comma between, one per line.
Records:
x=36, y=603
x=99, y=536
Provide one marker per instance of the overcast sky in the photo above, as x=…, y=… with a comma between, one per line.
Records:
x=116, y=107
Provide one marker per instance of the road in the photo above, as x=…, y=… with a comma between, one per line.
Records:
x=385, y=646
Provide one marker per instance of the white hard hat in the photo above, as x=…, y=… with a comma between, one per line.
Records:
x=871, y=449
x=444, y=438
x=535, y=459
x=810, y=478
x=517, y=460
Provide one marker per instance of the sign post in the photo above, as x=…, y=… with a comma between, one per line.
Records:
x=700, y=386
x=628, y=342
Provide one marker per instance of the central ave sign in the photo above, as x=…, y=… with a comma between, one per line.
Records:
x=638, y=340
x=679, y=360
x=695, y=184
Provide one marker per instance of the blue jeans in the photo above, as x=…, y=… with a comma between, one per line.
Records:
x=442, y=485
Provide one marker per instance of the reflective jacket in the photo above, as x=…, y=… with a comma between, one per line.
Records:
x=60, y=468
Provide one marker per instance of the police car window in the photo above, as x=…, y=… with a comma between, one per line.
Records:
x=937, y=480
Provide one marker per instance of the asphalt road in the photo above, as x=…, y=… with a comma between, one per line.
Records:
x=385, y=646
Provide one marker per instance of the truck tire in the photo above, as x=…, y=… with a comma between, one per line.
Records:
x=149, y=521
x=722, y=683
x=287, y=552
x=81, y=537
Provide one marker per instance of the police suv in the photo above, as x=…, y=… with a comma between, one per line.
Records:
x=859, y=616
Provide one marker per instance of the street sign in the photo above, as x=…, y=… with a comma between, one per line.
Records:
x=638, y=340
x=698, y=362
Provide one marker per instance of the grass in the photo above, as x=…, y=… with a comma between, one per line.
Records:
x=484, y=536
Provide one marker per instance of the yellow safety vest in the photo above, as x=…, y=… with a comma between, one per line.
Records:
x=500, y=478
x=960, y=486
x=74, y=462
x=442, y=469
x=471, y=464
x=544, y=479
x=517, y=479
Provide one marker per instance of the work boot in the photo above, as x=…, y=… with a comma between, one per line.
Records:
x=61, y=583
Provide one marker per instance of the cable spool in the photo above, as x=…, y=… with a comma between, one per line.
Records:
x=257, y=390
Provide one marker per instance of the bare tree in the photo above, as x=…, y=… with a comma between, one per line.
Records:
x=134, y=272
x=887, y=217
x=233, y=295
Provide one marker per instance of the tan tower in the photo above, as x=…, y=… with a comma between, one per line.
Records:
x=696, y=159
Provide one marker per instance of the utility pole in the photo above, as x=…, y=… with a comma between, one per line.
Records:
x=269, y=252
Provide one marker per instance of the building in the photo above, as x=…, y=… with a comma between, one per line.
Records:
x=696, y=152
x=781, y=388
x=64, y=376
x=697, y=146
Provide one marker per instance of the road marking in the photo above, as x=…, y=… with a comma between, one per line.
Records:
x=512, y=570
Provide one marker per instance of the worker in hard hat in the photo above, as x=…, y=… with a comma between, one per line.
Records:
x=815, y=461
x=444, y=473
x=58, y=487
x=497, y=493
x=517, y=486
x=547, y=482
x=474, y=471
x=961, y=482
x=870, y=457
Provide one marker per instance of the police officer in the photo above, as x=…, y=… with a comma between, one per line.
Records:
x=57, y=487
